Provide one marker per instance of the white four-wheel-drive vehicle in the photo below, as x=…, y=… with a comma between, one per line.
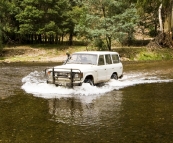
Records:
x=86, y=67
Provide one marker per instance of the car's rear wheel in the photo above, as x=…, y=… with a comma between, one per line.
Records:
x=114, y=76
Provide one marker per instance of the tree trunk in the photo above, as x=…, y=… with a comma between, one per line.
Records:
x=168, y=25
x=39, y=39
x=32, y=38
x=56, y=39
x=160, y=18
x=164, y=38
x=168, y=19
x=108, y=41
x=71, y=39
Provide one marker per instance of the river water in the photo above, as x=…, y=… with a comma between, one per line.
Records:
x=135, y=109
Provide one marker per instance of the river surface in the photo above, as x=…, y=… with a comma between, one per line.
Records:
x=135, y=109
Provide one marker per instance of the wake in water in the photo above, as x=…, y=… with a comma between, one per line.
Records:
x=35, y=83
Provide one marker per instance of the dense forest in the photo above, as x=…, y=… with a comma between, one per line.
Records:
x=98, y=21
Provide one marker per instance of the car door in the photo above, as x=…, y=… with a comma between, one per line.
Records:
x=101, y=69
x=109, y=66
x=118, y=68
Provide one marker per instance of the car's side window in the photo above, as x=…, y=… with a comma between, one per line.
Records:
x=101, y=60
x=108, y=59
x=115, y=59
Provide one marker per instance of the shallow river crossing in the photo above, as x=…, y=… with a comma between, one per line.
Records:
x=136, y=108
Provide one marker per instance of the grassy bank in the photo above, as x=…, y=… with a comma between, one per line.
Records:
x=37, y=53
x=145, y=54
x=46, y=53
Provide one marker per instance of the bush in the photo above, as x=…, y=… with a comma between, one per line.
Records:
x=99, y=43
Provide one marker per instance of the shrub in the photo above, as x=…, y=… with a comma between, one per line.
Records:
x=99, y=43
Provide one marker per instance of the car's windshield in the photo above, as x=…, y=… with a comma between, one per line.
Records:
x=80, y=58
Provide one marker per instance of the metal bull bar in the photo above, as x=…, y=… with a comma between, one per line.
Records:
x=65, y=75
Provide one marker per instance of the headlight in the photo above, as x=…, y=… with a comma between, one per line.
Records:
x=68, y=75
x=75, y=75
x=78, y=75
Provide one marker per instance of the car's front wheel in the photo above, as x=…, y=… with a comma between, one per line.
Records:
x=90, y=81
x=114, y=76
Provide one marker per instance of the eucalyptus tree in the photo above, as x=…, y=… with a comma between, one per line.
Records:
x=107, y=20
x=165, y=38
x=162, y=14
x=168, y=19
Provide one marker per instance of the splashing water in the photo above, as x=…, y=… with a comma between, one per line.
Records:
x=35, y=83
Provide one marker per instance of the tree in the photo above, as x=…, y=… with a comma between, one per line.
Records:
x=4, y=18
x=148, y=11
x=164, y=39
x=168, y=21
x=107, y=20
x=163, y=11
x=45, y=20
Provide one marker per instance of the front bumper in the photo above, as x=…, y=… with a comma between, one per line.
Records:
x=64, y=77
x=64, y=83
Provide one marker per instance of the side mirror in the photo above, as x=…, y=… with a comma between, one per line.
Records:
x=68, y=55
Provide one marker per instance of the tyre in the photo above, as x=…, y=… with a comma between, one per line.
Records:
x=114, y=76
x=90, y=81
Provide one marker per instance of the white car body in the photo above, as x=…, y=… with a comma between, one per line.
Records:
x=86, y=67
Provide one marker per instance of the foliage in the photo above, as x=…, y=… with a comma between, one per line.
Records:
x=100, y=44
x=100, y=22
x=39, y=20
x=144, y=54
x=154, y=55
x=148, y=11
x=43, y=17
x=107, y=20
x=3, y=6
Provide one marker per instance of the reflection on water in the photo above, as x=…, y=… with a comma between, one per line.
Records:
x=72, y=111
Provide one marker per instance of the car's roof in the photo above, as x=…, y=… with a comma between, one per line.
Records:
x=96, y=52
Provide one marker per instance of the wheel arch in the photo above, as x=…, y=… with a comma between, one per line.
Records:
x=89, y=77
x=115, y=73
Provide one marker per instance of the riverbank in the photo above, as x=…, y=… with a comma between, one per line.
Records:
x=32, y=54
x=42, y=53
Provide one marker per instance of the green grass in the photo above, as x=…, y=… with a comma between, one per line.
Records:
x=145, y=54
x=157, y=54
x=1, y=58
